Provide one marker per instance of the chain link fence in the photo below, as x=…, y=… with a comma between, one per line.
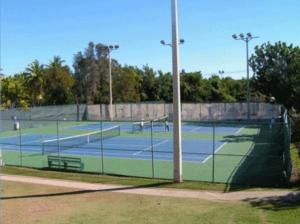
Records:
x=190, y=111
x=147, y=111
x=232, y=152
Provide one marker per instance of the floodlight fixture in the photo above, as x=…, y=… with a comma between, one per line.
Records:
x=110, y=48
x=246, y=38
x=181, y=41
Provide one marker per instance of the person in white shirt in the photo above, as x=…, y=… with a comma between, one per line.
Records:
x=16, y=123
x=142, y=124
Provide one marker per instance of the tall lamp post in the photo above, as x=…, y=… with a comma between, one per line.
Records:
x=109, y=49
x=246, y=38
x=221, y=73
x=177, y=157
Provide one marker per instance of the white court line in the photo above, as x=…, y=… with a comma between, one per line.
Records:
x=238, y=131
x=218, y=149
x=195, y=129
x=13, y=136
x=106, y=144
x=150, y=147
x=221, y=146
x=161, y=156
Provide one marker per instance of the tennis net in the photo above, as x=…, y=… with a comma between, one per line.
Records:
x=64, y=143
x=138, y=127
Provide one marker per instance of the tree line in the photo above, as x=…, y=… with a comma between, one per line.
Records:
x=276, y=70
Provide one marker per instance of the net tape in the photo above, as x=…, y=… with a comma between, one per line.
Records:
x=64, y=143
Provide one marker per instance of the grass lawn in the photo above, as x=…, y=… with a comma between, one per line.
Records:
x=295, y=158
x=122, y=180
x=27, y=203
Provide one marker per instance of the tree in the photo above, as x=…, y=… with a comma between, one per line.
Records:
x=147, y=84
x=91, y=74
x=277, y=72
x=80, y=85
x=192, y=87
x=13, y=91
x=34, y=81
x=126, y=86
x=59, y=83
x=164, y=87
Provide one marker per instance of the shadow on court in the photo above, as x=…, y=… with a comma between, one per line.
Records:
x=264, y=165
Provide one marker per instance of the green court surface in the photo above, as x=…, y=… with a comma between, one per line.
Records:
x=236, y=152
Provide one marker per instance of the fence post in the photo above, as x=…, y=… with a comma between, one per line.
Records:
x=131, y=111
x=101, y=142
x=77, y=107
x=30, y=113
x=152, y=153
x=58, y=146
x=213, y=157
x=20, y=139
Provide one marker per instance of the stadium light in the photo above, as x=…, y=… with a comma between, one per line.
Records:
x=181, y=41
x=109, y=49
x=246, y=38
x=177, y=146
x=221, y=73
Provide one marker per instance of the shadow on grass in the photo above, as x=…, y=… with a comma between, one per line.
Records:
x=278, y=203
x=114, y=189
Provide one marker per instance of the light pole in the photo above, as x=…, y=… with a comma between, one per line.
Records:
x=246, y=38
x=221, y=73
x=109, y=49
x=177, y=147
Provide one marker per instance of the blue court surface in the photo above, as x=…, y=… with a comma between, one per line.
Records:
x=129, y=147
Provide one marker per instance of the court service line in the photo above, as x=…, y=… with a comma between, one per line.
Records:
x=221, y=146
x=195, y=129
x=150, y=147
x=13, y=136
x=218, y=149
x=238, y=131
x=127, y=145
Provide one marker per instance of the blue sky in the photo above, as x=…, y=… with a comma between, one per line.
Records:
x=41, y=29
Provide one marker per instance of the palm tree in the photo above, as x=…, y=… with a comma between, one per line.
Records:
x=59, y=82
x=35, y=81
x=56, y=63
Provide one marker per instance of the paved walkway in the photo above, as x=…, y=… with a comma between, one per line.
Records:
x=154, y=191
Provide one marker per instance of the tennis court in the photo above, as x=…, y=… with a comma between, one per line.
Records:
x=218, y=152
x=112, y=144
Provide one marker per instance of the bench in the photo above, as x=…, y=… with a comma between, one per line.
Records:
x=62, y=162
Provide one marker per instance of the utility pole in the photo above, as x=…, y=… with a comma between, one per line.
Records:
x=177, y=144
